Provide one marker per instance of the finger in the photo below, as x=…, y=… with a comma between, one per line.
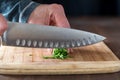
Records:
x=40, y=15
x=34, y=21
x=3, y=24
x=58, y=16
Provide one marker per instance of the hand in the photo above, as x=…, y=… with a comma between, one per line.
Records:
x=3, y=24
x=52, y=14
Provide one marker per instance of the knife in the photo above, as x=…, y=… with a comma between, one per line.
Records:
x=42, y=36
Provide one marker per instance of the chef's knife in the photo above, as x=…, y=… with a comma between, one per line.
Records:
x=42, y=36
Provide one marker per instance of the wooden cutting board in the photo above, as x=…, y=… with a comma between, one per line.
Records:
x=97, y=58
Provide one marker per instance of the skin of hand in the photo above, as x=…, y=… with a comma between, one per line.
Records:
x=49, y=14
x=3, y=24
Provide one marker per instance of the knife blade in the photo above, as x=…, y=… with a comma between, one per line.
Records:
x=42, y=36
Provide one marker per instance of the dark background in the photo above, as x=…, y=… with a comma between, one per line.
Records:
x=88, y=7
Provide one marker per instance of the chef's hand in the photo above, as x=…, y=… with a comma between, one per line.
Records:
x=3, y=24
x=49, y=14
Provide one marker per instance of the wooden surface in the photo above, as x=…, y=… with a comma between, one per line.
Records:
x=106, y=26
x=97, y=58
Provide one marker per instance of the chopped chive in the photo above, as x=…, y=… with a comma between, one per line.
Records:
x=58, y=53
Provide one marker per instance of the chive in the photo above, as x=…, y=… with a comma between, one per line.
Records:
x=58, y=53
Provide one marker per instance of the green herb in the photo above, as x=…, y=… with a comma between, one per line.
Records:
x=58, y=53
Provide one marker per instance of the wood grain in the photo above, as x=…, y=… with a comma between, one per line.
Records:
x=97, y=58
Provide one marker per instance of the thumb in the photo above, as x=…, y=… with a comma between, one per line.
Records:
x=3, y=24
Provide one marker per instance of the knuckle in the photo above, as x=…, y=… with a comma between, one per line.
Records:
x=30, y=21
x=56, y=6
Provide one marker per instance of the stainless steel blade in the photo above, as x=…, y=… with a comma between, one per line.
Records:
x=41, y=36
